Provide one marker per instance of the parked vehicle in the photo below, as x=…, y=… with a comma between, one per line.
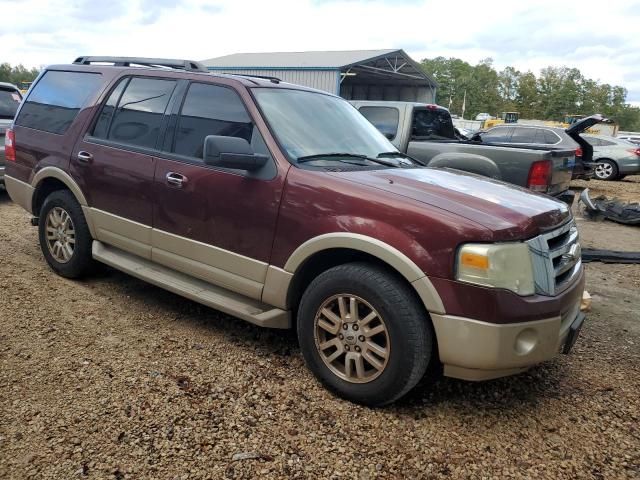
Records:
x=426, y=133
x=483, y=116
x=615, y=158
x=10, y=98
x=283, y=206
x=550, y=137
x=630, y=137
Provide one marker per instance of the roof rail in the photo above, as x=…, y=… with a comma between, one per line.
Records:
x=188, y=65
x=264, y=77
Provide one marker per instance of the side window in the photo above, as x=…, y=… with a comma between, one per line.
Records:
x=605, y=143
x=523, y=135
x=53, y=104
x=384, y=119
x=212, y=110
x=550, y=138
x=101, y=129
x=138, y=115
x=497, y=135
x=431, y=124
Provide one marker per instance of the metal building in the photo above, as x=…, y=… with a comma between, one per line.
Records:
x=353, y=74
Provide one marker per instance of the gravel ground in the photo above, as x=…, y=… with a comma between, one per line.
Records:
x=111, y=378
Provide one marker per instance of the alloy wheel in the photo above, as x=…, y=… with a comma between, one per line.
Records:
x=352, y=338
x=604, y=170
x=60, y=234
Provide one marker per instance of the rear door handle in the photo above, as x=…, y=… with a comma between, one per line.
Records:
x=84, y=157
x=175, y=179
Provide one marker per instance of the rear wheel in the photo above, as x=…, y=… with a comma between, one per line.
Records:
x=606, y=170
x=364, y=334
x=64, y=236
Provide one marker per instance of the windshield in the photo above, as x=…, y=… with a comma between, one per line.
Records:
x=309, y=123
x=9, y=102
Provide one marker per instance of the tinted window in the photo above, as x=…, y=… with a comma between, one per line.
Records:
x=606, y=143
x=550, y=138
x=101, y=130
x=138, y=116
x=497, y=135
x=432, y=125
x=9, y=101
x=210, y=110
x=594, y=142
x=56, y=99
x=384, y=119
x=524, y=135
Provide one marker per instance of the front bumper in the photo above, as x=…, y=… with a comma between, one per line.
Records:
x=2, y=175
x=476, y=350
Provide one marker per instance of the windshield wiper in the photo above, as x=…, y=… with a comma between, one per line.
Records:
x=401, y=155
x=309, y=158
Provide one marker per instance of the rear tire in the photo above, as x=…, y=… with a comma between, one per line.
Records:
x=372, y=346
x=64, y=236
x=606, y=170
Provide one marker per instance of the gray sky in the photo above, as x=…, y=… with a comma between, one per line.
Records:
x=601, y=38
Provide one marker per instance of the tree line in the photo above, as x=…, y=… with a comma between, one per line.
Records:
x=17, y=74
x=554, y=93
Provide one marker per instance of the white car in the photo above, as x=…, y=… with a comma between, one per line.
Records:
x=483, y=116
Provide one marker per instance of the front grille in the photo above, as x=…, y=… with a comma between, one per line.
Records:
x=556, y=259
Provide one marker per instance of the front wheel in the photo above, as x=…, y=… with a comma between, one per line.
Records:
x=64, y=236
x=364, y=334
x=606, y=170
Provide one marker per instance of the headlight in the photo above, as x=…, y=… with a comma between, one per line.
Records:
x=498, y=265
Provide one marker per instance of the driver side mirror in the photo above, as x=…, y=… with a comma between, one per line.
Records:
x=231, y=152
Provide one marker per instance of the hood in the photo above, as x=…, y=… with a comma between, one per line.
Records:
x=509, y=212
x=585, y=124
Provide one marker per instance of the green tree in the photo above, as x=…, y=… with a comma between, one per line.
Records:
x=17, y=74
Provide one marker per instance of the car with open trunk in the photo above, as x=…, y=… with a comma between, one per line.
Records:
x=285, y=207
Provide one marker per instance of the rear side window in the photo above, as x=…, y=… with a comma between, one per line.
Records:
x=54, y=102
x=432, y=125
x=133, y=112
x=9, y=101
x=606, y=143
x=497, y=135
x=524, y=135
x=210, y=110
x=550, y=138
x=384, y=119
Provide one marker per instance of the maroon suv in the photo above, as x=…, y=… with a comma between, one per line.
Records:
x=285, y=207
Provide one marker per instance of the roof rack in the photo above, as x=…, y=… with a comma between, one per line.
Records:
x=188, y=65
x=264, y=77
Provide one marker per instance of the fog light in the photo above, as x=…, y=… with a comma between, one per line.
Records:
x=526, y=341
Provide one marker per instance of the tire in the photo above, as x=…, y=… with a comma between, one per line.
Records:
x=606, y=170
x=59, y=205
x=408, y=339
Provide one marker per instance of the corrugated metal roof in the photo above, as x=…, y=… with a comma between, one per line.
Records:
x=327, y=59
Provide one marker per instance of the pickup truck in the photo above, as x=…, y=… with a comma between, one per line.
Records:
x=425, y=132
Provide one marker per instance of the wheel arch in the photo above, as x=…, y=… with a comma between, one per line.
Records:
x=284, y=287
x=50, y=179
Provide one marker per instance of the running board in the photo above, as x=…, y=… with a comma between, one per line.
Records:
x=199, y=291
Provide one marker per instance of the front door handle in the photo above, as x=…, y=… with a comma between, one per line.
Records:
x=84, y=157
x=175, y=179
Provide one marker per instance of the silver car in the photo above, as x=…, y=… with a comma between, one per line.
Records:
x=615, y=157
x=10, y=98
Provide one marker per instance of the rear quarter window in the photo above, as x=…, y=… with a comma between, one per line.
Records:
x=9, y=101
x=385, y=119
x=54, y=102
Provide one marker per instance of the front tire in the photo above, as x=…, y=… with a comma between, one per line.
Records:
x=606, y=170
x=364, y=334
x=64, y=236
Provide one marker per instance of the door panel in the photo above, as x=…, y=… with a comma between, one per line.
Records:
x=224, y=220
x=215, y=224
x=114, y=165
